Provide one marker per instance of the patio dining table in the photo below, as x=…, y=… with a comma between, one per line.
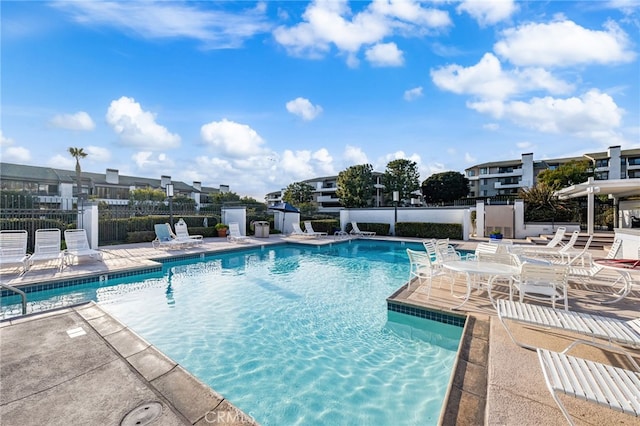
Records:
x=473, y=268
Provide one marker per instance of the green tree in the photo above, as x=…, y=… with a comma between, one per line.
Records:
x=445, y=186
x=225, y=197
x=401, y=175
x=567, y=174
x=298, y=193
x=355, y=186
x=541, y=205
x=146, y=200
x=78, y=153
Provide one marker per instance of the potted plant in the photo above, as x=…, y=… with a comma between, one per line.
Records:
x=495, y=235
x=222, y=229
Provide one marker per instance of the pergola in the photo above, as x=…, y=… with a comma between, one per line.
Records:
x=617, y=188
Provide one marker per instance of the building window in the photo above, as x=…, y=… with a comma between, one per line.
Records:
x=484, y=171
x=601, y=176
x=634, y=161
x=602, y=163
x=471, y=173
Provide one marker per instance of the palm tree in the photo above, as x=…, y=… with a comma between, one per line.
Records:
x=78, y=153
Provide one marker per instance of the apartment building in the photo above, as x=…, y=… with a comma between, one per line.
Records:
x=507, y=177
x=324, y=193
x=57, y=187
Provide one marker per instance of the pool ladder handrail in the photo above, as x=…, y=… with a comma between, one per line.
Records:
x=22, y=294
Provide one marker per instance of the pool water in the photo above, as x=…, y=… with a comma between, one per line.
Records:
x=296, y=335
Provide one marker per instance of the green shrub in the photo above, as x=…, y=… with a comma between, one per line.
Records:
x=428, y=230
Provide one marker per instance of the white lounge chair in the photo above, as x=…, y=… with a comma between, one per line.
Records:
x=609, y=386
x=78, y=245
x=13, y=248
x=308, y=227
x=298, y=232
x=613, y=330
x=585, y=273
x=235, y=235
x=47, y=248
x=165, y=238
x=356, y=231
x=182, y=234
x=548, y=253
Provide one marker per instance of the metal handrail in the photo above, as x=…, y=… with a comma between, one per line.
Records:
x=22, y=295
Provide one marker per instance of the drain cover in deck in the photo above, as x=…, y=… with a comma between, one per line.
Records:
x=142, y=415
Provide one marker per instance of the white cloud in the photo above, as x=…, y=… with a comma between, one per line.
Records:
x=488, y=12
x=98, y=154
x=385, y=55
x=354, y=156
x=564, y=43
x=78, y=121
x=138, y=128
x=304, y=108
x=59, y=161
x=16, y=154
x=488, y=81
x=469, y=159
x=11, y=153
x=331, y=23
x=593, y=115
x=491, y=126
x=413, y=94
x=147, y=160
x=231, y=138
x=167, y=20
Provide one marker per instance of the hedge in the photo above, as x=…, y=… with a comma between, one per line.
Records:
x=428, y=230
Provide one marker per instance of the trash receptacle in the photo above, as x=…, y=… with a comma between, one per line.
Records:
x=261, y=229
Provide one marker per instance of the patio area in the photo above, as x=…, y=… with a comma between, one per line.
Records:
x=495, y=382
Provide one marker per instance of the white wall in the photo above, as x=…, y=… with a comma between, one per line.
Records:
x=235, y=214
x=283, y=221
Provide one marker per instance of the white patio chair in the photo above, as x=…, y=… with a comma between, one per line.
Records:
x=13, y=248
x=182, y=234
x=482, y=248
x=605, y=385
x=543, y=282
x=165, y=238
x=356, y=231
x=47, y=248
x=234, y=234
x=308, y=228
x=421, y=268
x=78, y=246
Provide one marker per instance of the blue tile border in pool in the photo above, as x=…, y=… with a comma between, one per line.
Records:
x=442, y=317
x=31, y=288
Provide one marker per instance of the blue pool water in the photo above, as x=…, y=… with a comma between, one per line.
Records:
x=293, y=335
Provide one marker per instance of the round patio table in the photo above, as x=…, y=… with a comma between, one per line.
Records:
x=625, y=267
x=473, y=267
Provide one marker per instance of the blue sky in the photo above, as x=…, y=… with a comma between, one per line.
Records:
x=258, y=95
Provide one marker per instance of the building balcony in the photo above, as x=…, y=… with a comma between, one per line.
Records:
x=327, y=199
x=517, y=172
x=499, y=185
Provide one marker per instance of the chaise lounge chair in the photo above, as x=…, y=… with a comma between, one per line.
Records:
x=609, y=386
x=234, y=234
x=356, y=231
x=47, y=248
x=308, y=227
x=298, y=232
x=165, y=238
x=13, y=248
x=182, y=234
x=613, y=330
x=78, y=245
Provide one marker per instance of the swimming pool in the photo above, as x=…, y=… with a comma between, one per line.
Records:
x=295, y=334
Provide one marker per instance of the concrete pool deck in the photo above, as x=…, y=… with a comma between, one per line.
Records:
x=52, y=373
